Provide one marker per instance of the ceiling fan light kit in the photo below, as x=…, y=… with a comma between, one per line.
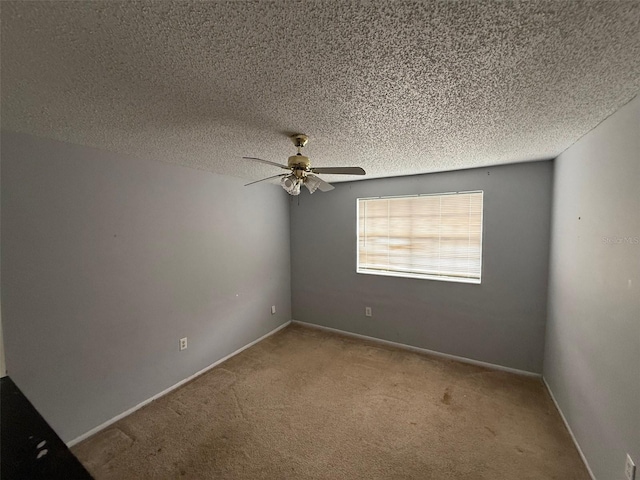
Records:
x=301, y=171
x=312, y=183
x=291, y=184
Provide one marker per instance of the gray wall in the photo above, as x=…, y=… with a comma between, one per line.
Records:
x=592, y=355
x=108, y=261
x=3, y=370
x=501, y=321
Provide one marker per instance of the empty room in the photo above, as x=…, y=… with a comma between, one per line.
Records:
x=320, y=239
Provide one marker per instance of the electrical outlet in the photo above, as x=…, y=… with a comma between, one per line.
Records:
x=183, y=343
x=367, y=311
x=273, y=309
x=630, y=469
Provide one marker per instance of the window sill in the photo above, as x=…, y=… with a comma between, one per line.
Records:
x=476, y=281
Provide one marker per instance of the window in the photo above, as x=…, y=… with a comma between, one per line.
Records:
x=427, y=236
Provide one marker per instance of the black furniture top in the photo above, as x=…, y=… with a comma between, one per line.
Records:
x=29, y=448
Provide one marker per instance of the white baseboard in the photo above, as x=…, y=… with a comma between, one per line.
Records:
x=566, y=424
x=173, y=387
x=492, y=366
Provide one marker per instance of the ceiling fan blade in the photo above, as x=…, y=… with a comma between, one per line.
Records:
x=324, y=186
x=267, y=162
x=268, y=178
x=339, y=170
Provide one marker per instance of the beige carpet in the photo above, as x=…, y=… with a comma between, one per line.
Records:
x=307, y=404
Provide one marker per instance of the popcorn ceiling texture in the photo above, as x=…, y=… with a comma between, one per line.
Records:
x=395, y=87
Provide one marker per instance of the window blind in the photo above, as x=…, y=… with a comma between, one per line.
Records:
x=430, y=236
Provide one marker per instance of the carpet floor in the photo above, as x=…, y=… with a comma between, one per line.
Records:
x=309, y=404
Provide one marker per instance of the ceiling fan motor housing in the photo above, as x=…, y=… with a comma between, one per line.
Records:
x=299, y=164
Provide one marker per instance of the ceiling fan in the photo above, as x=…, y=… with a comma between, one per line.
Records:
x=302, y=173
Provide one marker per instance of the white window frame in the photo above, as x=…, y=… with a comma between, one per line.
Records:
x=408, y=274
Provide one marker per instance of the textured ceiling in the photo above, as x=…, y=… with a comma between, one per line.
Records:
x=395, y=87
